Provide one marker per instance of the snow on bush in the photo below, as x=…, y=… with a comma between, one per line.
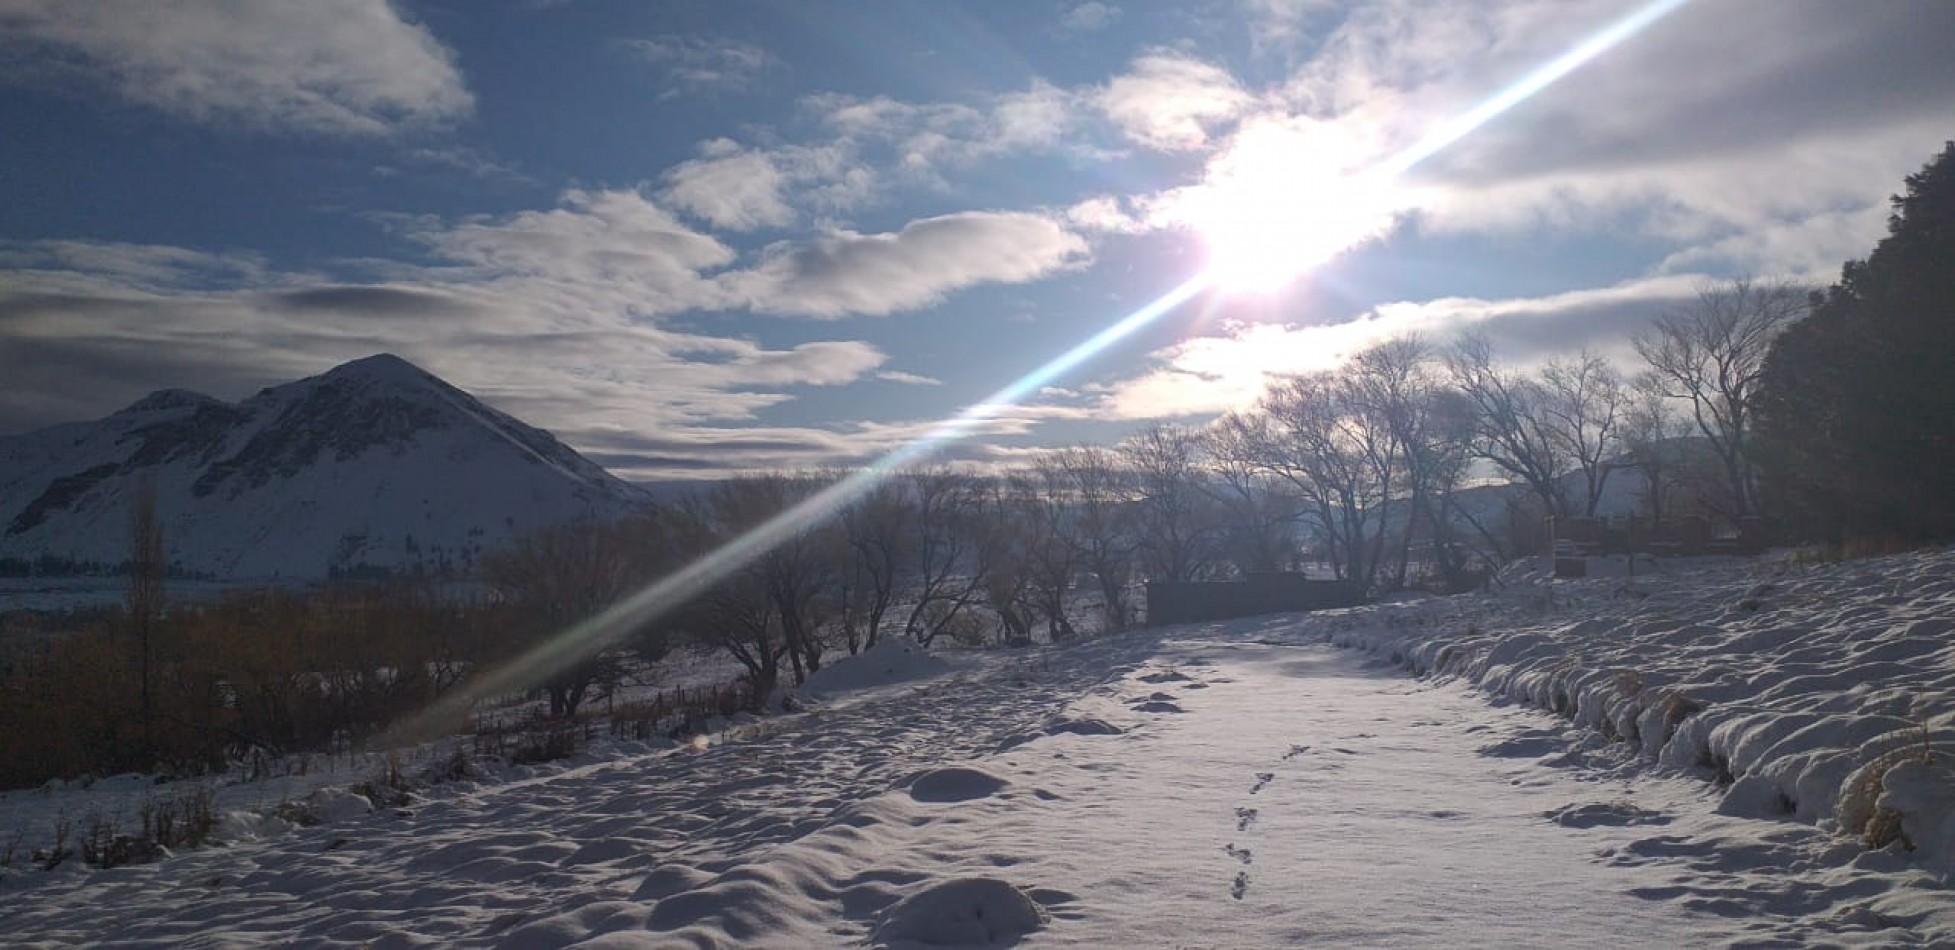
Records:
x=961, y=912
x=891, y=660
x=956, y=783
x=1823, y=693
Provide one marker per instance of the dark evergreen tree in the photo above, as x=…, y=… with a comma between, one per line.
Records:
x=1856, y=408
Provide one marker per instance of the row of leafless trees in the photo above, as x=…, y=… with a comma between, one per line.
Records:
x=1048, y=550
x=1365, y=468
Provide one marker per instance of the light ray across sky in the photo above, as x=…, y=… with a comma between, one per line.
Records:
x=584, y=639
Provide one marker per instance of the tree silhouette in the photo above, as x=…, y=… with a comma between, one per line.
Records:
x=1711, y=355
x=1856, y=412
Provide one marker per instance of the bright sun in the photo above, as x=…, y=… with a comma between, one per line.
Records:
x=1279, y=202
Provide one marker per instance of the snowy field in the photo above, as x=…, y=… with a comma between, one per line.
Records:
x=1694, y=758
x=82, y=592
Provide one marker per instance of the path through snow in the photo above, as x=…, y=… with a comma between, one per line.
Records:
x=1238, y=785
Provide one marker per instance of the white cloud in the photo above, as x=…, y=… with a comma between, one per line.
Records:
x=924, y=139
x=535, y=345
x=1770, y=161
x=1171, y=102
x=1229, y=371
x=732, y=188
x=694, y=64
x=610, y=249
x=1089, y=17
x=1809, y=248
x=1106, y=214
x=1279, y=22
x=553, y=314
x=142, y=266
x=844, y=273
x=344, y=67
x=1039, y=115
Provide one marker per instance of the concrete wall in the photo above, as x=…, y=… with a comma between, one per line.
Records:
x=1185, y=602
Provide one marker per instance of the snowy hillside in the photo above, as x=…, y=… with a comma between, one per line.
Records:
x=1696, y=746
x=375, y=463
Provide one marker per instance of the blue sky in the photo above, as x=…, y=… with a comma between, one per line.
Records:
x=699, y=236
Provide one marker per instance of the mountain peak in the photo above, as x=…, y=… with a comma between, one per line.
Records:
x=165, y=399
x=375, y=464
x=380, y=367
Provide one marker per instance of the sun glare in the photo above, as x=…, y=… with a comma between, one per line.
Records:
x=1281, y=201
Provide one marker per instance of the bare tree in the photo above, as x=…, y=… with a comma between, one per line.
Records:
x=796, y=573
x=1431, y=432
x=1317, y=433
x=1711, y=353
x=877, y=530
x=1393, y=382
x=1030, y=563
x=1258, y=518
x=1585, y=398
x=1448, y=428
x=1174, y=517
x=556, y=577
x=1513, y=430
x=1098, y=505
x=946, y=560
x=735, y=612
x=1650, y=429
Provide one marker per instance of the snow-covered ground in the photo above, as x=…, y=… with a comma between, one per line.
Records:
x=1695, y=749
x=85, y=592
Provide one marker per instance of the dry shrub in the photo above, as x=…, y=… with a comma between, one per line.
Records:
x=184, y=819
x=1884, y=828
x=253, y=676
x=301, y=813
x=51, y=857
x=1676, y=708
x=388, y=787
x=1855, y=549
x=547, y=745
x=459, y=765
x=679, y=711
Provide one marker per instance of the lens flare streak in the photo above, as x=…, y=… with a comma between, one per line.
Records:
x=585, y=639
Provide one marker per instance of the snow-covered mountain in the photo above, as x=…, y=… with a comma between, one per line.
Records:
x=376, y=463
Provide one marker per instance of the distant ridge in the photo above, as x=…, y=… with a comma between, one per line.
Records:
x=376, y=464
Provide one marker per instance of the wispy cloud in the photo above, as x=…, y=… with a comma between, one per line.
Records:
x=1089, y=17
x=696, y=64
x=1229, y=369
x=557, y=315
x=926, y=139
x=844, y=273
x=1172, y=102
x=336, y=67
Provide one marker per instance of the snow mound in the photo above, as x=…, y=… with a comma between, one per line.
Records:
x=894, y=660
x=1606, y=815
x=1084, y=727
x=1824, y=694
x=957, y=783
x=335, y=805
x=962, y=912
